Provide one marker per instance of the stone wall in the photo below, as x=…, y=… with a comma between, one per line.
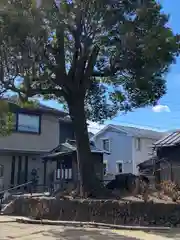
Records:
x=107, y=211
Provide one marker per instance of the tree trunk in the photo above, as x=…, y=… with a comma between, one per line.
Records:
x=84, y=157
x=89, y=183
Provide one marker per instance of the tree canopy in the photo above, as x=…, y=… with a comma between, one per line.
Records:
x=124, y=47
x=98, y=57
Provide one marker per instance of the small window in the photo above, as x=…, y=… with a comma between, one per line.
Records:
x=106, y=145
x=105, y=167
x=119, y=167
x=138, y=144
x=1, y=171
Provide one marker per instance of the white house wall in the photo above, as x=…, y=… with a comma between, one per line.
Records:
x=121, y=149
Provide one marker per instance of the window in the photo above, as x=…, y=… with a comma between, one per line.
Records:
x=28, y=123
x=64, y=174
x=106, y=145
x=119, y=167
x=105, y=167
x=1, y=171
x=138, y=144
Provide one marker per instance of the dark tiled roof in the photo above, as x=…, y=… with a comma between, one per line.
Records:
x=67, y=148
x=148, y=163
x=172, y=139
x=39, y=107
x=147, y=167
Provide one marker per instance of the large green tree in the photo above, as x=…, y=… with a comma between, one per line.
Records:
x=97, y=57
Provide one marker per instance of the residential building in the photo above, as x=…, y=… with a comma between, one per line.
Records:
x=125, y=147
x=66, y=168
x=36, y=131
x=165, y=164
x=90, y=135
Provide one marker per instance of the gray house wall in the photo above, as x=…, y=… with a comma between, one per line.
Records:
x=121, y=149
x=45, y=141
x=26, y=147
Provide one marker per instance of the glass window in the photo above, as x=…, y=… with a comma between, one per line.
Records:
x=138, y=144
x=119, y=167
x=105, y=166
x=106, y=145
x=28, y=123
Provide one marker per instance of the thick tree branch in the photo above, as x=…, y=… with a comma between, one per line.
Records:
x=60, y=52
x=90, y=66
x=36, y=91
x=77, y=44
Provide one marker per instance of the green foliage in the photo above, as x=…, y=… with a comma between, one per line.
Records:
x=14, y=103
x=6, y=119
x=7, y=108
x=114, y=53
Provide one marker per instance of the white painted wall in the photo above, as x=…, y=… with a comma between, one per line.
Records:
x=143, y=154
x=120, y=150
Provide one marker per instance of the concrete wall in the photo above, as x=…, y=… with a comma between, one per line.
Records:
x=130, y=213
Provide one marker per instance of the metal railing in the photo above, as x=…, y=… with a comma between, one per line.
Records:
x=9, y=191
x=16, y=187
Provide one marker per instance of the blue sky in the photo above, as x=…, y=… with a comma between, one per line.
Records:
x=167, y=115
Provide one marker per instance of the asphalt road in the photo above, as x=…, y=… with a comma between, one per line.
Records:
x=33, y=232
x=11, y=230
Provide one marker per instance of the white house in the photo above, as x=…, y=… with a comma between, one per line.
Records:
x=125, y=147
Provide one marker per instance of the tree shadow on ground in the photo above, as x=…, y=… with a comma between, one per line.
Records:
x=172, y=233
x=85, y=234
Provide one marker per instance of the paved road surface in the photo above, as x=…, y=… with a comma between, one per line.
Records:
x=12, y=230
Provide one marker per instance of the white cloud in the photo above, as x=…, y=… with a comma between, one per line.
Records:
x=161, y=108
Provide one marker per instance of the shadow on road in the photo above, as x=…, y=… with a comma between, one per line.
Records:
x=84, y=234
x=172, y=234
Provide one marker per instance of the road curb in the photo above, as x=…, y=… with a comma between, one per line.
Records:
x=89, y=224
x=8, y=220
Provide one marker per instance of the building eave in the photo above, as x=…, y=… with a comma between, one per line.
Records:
x=23, y=151
x=129, y=133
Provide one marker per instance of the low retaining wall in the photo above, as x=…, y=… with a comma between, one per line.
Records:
x=108, y=211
